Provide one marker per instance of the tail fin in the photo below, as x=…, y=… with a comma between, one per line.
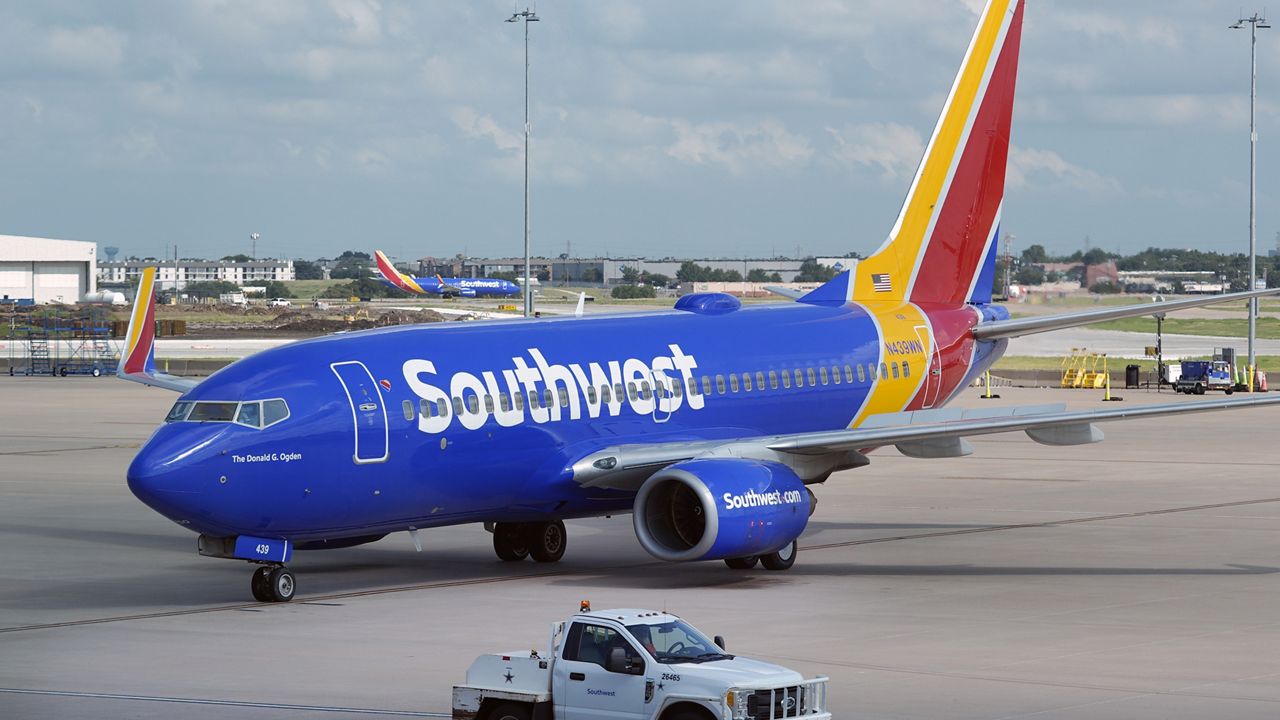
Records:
x=395, y=277
x=138, y=359
x=942, y=248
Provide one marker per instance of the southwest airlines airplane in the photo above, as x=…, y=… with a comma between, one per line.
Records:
x=445, y=287
x=711, y=423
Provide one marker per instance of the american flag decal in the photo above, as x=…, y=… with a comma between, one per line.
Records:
x=881, y=282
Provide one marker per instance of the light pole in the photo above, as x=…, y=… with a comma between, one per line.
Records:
x=253, y=248
x=1256, y=22
x=528, y=17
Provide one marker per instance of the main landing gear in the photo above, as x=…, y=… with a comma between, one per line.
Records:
x=273, y=583
x=783, y=559
x=543, y=541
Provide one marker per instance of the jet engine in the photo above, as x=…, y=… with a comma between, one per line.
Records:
x=719, y=508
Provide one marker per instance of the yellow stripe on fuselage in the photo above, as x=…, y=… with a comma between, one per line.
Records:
x=902, y=342
x=899, y=257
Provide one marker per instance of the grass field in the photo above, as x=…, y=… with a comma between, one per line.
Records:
x=1268, y=327
x=1267, y=363
x=307, y=289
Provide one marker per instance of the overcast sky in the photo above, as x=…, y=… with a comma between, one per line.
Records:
x=728, y=129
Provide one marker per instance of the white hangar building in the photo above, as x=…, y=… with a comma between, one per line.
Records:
x=47, y=270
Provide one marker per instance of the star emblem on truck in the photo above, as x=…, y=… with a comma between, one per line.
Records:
x=509, y=676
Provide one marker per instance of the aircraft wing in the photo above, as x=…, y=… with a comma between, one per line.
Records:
x=138, y=361
x=922, y=434
x=1031, y=325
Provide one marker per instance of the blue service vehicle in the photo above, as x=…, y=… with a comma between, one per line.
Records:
x=1199, y=376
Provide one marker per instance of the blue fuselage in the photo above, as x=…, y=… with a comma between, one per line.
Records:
x=374, y=441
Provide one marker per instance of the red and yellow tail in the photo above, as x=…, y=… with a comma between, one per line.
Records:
x=138, y=354
x=942, y=249
x=395, y=277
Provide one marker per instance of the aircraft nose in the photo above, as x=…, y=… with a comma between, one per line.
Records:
x=160, y=476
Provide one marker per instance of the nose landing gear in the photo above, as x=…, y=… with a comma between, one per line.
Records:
x=273, y=583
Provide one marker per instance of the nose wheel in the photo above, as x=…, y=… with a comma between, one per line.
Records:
x=273, y=583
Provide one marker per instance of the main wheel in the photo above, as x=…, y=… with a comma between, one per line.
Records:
x=781, y=560
x=1199, y=389
x=258, y=584
x=510, y=711
x=281, y=585
x=547, y=541
x=742, y=563
x=509, y=542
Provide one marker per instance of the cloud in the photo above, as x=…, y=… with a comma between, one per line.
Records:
x=95, y=49
x=1028, y=166
x=738, y=148
x=363, y=19
x=475, y=125
x=894, y=149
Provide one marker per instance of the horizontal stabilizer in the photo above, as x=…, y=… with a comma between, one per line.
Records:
x=1047, y=323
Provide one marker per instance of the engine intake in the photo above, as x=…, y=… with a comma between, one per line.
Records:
x=720, y=508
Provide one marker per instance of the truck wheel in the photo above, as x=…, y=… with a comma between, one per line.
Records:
x=1199, y=389
x=547, y=541
x=781, y=560
x=742, y=563
x=1230, y=390
x=511, y=711
x=509, y=542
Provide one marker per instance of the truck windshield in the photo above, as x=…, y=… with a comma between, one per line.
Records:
x=676, y=642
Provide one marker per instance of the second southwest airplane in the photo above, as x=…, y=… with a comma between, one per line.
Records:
x=445, y=287
x=710, y=423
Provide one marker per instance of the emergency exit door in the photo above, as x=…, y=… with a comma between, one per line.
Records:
x=368, y=411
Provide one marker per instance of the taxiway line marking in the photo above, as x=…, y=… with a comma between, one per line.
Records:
x=225, y=703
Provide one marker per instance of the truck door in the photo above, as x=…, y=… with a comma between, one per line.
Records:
x=584, y=689
x=368, y=412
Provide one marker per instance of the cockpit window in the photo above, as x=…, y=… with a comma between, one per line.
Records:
x=213, y=412
x=251, y=413
x=179, y=412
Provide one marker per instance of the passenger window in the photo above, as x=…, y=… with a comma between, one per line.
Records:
x=835, y=374
x=906, y=369
x=862, y=376
x=426, y=409
x=488, y=404
x=848, y=374
x=548, y=400
x=822, y=374
x=251, y=414
x=178, y=412
x=442, y=408
x=591, y=394
x=786, y=379
x=895, y=369
x=746, y=382
x=678, y=389
x=406, y=405
x=564, y=397
x=457, y=406
x=759, y=381
x=519, y=398
x=617, y=391
x=646, y=393
x=473, y=404
x=706, y=384
x=720, y=384
x=799, y=378
x=213, y=412
x=605, y=397
x=884, y=370
x=812, y=380
x=773, y=380
x=733, y=382
x=631, y=392
x=504, y=402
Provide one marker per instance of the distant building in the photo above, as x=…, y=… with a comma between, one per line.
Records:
x=174, y=275
x=47, y=270
x=596, y=271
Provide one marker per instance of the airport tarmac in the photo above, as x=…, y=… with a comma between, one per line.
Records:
x=1132, y=579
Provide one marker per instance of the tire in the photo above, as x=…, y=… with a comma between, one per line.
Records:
x=281, y=585
x=510, y=711
x=781, y=560
x=1230, y=390
x=547, y=541
x=509, y=542
x=63, y=372
x=97, y=372
x=258, y=584
x=742, y=563
x=1199, y=389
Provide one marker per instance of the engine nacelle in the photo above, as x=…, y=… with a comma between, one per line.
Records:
x=720, y=508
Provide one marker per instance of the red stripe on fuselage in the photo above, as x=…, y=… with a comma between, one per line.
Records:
x=956, y=248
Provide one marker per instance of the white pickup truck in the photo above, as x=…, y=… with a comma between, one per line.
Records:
x=634, y=665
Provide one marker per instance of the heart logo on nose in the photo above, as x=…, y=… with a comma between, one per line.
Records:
x=386, y=384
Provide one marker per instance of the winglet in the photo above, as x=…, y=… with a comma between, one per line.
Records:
x=138, y=359
x=394, y=276
x=582, y=299
x=139, y=349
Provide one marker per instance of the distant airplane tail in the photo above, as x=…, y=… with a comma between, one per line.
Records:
x=395, y=277
x=942, y=249
x=138, y=357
